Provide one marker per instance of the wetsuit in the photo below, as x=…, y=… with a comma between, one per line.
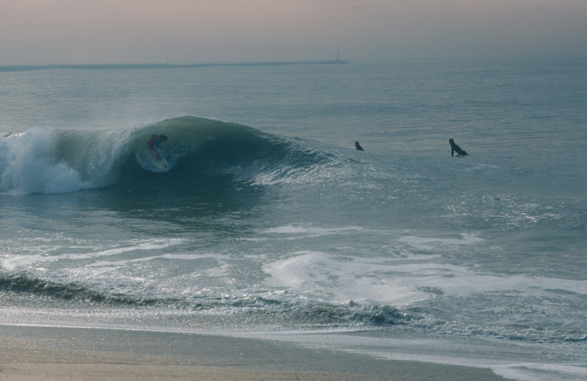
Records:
x=454, y=147
x=359, y=148
x=155, y=142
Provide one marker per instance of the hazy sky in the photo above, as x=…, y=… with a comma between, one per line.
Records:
x=195, y=31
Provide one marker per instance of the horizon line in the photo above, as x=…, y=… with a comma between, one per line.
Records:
x=5, y=68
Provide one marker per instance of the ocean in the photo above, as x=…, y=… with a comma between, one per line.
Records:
x=269, y=224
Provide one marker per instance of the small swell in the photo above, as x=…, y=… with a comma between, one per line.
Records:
x=21, y=283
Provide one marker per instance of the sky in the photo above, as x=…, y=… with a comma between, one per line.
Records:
x=41, y=32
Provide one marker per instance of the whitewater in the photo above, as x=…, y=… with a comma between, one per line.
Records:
x=269, y=224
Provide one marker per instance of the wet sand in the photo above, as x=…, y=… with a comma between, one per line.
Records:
x=48, y=353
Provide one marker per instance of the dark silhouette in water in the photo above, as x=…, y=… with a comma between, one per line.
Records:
x=454, y=147
x=359, y=148
x=156, y=142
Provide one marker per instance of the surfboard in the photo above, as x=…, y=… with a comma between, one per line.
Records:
x=156, y=158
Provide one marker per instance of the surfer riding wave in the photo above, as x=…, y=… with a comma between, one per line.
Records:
x=155, y=151
x=156, y=143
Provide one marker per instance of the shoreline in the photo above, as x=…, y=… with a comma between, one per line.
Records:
x=51, y=353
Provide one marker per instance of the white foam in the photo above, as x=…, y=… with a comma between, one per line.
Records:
x=431, y=243
x=27, y=166
x=154, y=244
x=541, y=372
x=297, y=229
x=397, y=282
x=322, y=275
x=12, y=262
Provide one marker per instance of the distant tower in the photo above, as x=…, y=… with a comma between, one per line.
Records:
x=336, y=55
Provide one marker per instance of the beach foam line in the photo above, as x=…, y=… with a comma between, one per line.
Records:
x=48, y=353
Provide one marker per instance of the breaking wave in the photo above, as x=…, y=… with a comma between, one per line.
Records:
x=199, y=151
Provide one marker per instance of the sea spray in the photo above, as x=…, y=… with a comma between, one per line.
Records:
x=28, y=165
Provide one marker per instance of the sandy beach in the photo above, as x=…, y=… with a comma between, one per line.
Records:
x=47, y=353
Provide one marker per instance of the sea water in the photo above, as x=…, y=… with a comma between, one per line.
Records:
x=270, y=224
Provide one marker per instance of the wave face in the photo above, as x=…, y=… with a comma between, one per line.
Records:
x=200, y=152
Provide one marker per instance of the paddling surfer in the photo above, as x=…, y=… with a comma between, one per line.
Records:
x=455, y=148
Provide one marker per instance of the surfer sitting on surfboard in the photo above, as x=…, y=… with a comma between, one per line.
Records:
x=156, y=142
x=454, y=147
